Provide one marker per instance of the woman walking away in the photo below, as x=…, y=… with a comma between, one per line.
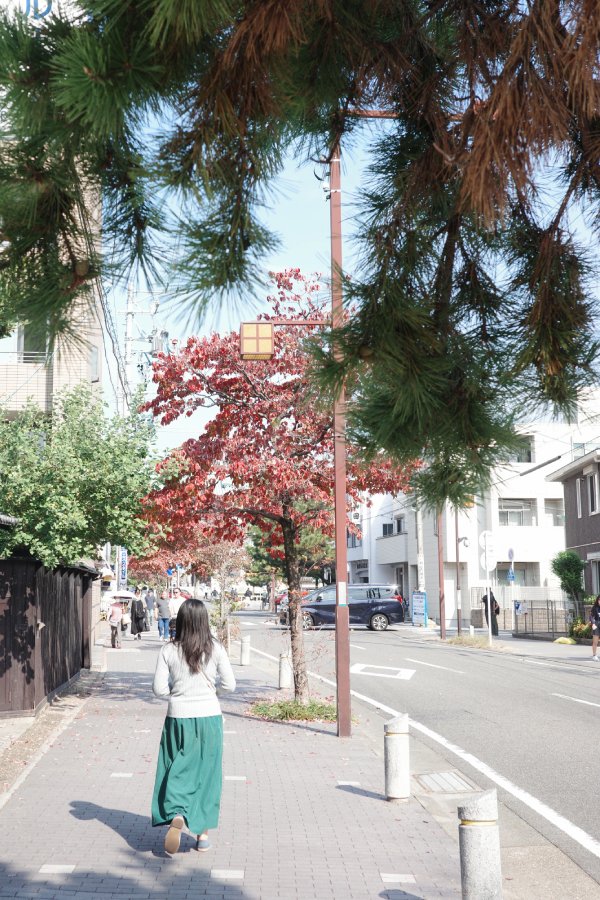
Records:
x=187, y=789
x=595, y=623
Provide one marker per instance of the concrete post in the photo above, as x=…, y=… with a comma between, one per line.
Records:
x=396, y=758
x=479, y=844
x=286, y=678
x=245, y=651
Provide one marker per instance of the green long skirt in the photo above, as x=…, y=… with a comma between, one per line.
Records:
x=189, y=775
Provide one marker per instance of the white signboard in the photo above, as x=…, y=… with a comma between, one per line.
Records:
x=419, y=608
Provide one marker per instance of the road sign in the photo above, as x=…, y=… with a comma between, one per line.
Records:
x=169, y=572
x=488, y=561
x=486, y=540
x=122, y=568
x=510, y=575
x=511, y=554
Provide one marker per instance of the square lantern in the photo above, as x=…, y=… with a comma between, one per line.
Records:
x=256, y=340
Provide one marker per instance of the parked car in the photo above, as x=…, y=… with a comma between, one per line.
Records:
x=373, y=605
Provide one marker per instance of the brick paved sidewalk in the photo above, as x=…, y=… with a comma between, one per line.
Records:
x=78, y=826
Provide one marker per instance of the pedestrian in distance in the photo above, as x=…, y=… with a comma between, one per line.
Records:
x=115, y=617
x=150, y=600
x=138, y=616
x=174, y=606
x=188, y=783
x=495, y=611
x=163, y=612
x=595, y=623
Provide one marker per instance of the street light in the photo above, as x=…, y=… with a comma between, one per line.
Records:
x=256, y=343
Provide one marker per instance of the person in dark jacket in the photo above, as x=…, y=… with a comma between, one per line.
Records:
x=138, y=617
x=595, y=623
x=495, y=611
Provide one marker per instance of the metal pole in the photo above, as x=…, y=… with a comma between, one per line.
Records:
x=420, y=550
x=488, y=582
x=342, y=622
x=458, y=595
x=440, y=548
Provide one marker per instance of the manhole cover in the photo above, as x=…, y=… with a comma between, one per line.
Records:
x=446, y=783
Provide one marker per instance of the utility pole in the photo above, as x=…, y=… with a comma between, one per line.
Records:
x=440, y=549
x=342, y=620
x=128, y=357
x=458, y=594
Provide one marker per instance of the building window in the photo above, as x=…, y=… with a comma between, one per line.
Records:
x=400, y=525
x=353, y=540
x=554, y=511
x=578, y=496
x=523, y=453
x=32, y=344
x=595, y=567
x=94, y=364
x=388, y=529
x=516, y=512
x=592, y=485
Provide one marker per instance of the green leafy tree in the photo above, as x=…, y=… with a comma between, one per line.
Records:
x=74, y=480
x=568, y=566
x=474, y=297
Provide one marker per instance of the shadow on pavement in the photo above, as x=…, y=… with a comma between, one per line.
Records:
x=400, y=895
x=80, y=882
x=136, y=830
x=360, y=792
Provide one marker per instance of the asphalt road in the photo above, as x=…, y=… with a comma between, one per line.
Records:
x=534, y=722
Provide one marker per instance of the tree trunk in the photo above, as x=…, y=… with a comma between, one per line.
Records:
x=295, y=612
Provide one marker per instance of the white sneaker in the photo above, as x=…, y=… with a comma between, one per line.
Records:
x=595, y=658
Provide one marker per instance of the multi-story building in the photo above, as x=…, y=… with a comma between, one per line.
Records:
x=579, y=479
x=32, y=369
x=522, y=510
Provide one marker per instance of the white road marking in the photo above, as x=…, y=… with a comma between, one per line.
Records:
x=56, y=869
x=401, y=674
x=432, y=665
x=356, y=647
x=391, y=878
x=573, y=831
x=142, y=731
x=121, y=774
x=575, y=700
x=348, y=783
x=226, y=873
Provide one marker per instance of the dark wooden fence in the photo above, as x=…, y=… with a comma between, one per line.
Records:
x=45, y=626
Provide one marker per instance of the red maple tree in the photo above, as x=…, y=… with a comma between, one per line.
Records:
x=266, y=456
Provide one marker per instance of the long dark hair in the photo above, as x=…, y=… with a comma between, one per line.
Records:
x=192, y=633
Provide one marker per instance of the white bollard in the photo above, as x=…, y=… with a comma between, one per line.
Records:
x=479, y=844
x=471, y=630
x=286, y=676
x=396, y=758
x=245, y=651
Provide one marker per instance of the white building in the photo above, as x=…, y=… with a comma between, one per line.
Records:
x=523, y=511
x=30, y=369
